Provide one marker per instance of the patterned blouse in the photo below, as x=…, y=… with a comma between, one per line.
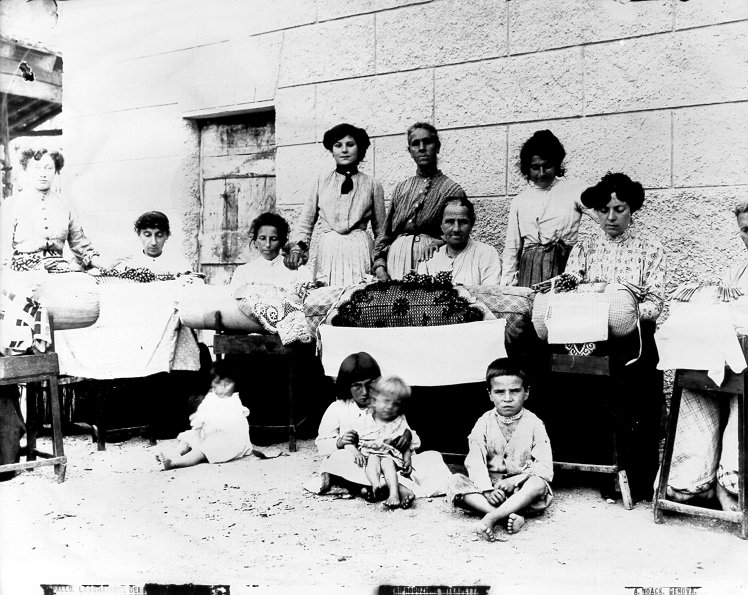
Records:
x=627, y=257
x=415, y=209
x=341, y=213
x=34, y=222
x=541, y=216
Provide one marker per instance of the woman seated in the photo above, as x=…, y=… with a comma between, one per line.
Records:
x=37, y=221
x=411, y=231
x=621, y=255
x=357, y=373
x=544, y=218
x=153, y=230
x=269, y=233
x=705, y=457
x=471, y=262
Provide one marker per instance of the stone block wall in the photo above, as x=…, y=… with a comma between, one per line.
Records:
x=656, y=89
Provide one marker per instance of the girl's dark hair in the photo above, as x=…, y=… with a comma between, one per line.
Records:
x=341, y=130
x=626, y=190
x=545, y=145
x=153, y=220
x=463, y=202
x=273, y=220
x=425, y=126
x=355, y=368
x=506, y=366
x=29, y=154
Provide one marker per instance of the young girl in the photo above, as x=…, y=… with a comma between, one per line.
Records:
x=220, y=431
x=269, y=233
x=509, y=460
x=376, y=431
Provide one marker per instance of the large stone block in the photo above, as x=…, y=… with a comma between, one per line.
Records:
x=476, y=159
x=710, y=145
x=392, y=162
x=295, y=115
x=708, y=65
x=636, y=144
x=530, y=87
x=697, y=228
x=261, y=16
x=697, y=14
x=440, y=33
x=335, y=9
x=383, y=105
x=490, y=221
x=328, y=51
x=126, y=135
x=536, y=25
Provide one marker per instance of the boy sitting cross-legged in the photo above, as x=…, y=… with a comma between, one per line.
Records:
x=509, y=462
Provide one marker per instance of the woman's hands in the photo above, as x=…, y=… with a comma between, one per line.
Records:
x=401, y=443
x=381, y=273
x=293, y=259
x=346, y=438
x=425, y=247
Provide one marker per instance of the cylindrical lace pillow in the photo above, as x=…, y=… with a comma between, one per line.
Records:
x=72, y=299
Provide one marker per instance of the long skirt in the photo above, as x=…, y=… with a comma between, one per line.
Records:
x=429, y=477
x=727, y=474
x=11, y=427
x=541, y=262
x=343, y=259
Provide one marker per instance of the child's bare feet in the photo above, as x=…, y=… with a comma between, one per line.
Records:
x=381, y=492
x=164, y=460
x=726, y=500
x=486, y=532
x=324, y=482
x=514, y=523
x=393, y=501
x=376, y=494
x=406, y=496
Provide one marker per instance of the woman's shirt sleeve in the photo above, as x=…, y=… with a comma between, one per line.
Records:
x=655, y=270
x=386, y=235
x=377, y=209
x=308, y=216
x=329, y=430
x=512, y=246
x=77, y=240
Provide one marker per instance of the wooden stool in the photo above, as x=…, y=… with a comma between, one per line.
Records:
x=37, y=369
x=593, y=366
x=224, y=344
x=733, y=384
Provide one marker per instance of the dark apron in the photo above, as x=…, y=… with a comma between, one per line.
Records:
x=541, y=262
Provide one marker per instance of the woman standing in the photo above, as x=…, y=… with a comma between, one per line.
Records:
x=544, y=218
x=38, y=221
x=344, y=200
x=621, y=255
x=412, y=230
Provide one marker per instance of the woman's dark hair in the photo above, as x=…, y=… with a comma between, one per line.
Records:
x=425, y=126
x=341, y=130
x=506, y=366
x=545, y=145
x=273, y=220
x=461, y=201
x=626, y=190
x=153, y=220
x=355, y=368
x=29, y=154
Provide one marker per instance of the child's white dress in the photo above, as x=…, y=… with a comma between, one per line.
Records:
x=219, y=429
x=373, y=434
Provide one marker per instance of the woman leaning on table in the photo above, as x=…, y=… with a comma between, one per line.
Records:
x=622, y=254
x=544, y=218
x=344, y=201
x=705, y=457
x=412, y=230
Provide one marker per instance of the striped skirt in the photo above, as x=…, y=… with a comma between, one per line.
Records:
x=343, y=259
x=541, y=262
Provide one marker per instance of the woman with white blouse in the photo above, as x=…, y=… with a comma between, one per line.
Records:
x=544, y=218
x=344, y=201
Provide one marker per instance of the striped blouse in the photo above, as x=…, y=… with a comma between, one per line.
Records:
x=409, y=213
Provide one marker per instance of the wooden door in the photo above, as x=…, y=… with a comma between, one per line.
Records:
x=237, y=167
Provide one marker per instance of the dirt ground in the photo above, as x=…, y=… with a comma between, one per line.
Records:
x=118, y=519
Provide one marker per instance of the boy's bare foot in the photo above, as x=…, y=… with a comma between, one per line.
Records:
x=392, y=502
x=514, y=523
x=483, y=531
x=164, y=460
x=324, y=482
x=727, y=501
x=406, y=496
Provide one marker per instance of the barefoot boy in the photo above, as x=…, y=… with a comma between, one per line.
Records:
x=509, y=461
